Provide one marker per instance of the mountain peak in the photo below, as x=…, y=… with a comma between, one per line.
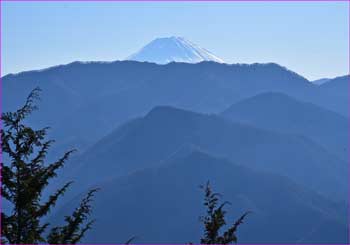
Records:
x=173, y=49
x=169, y=112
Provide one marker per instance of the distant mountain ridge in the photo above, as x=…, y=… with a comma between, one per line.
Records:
x=149, y=134
x=173, y=49
x=320, y=81
x=338, y=85
x=283, y=113
x=103, y=89
x=170, y=193
x=166, y=132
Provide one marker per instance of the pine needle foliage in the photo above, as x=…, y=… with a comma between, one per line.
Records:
x=214, y=220
x=25, y=176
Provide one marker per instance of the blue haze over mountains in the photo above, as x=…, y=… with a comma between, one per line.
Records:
x=148, y=135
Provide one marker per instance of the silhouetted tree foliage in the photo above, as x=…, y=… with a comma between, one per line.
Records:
x=72, y=233
x=25, y=177
x=214, y=220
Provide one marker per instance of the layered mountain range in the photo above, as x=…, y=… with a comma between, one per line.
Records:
x=149, y=133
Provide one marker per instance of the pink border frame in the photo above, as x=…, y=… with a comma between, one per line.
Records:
x=174, y=0
x=348, y=205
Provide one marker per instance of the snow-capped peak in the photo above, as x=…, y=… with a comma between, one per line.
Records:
x=173, y=49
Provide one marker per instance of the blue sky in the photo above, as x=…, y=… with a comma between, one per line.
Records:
x=310, y=38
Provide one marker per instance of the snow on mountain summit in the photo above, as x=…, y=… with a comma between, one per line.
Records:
x=173, y=49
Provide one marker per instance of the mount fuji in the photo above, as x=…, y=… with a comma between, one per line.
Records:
x=173, y=49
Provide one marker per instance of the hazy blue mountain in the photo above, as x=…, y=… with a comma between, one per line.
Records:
x=68, y=91
x=335, y=93
x=84, y=101
x=173, y=49
x=92, y=105
x=163, y=205
x=320, y=81
x=164, y=132
x=280, y=112
x=338, y=86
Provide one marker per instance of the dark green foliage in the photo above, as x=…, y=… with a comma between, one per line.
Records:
x=71, y=233
x=25, y=177
x=214, y=220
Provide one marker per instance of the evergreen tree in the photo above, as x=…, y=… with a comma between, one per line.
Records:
x=214, y=220
x=24, y=178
